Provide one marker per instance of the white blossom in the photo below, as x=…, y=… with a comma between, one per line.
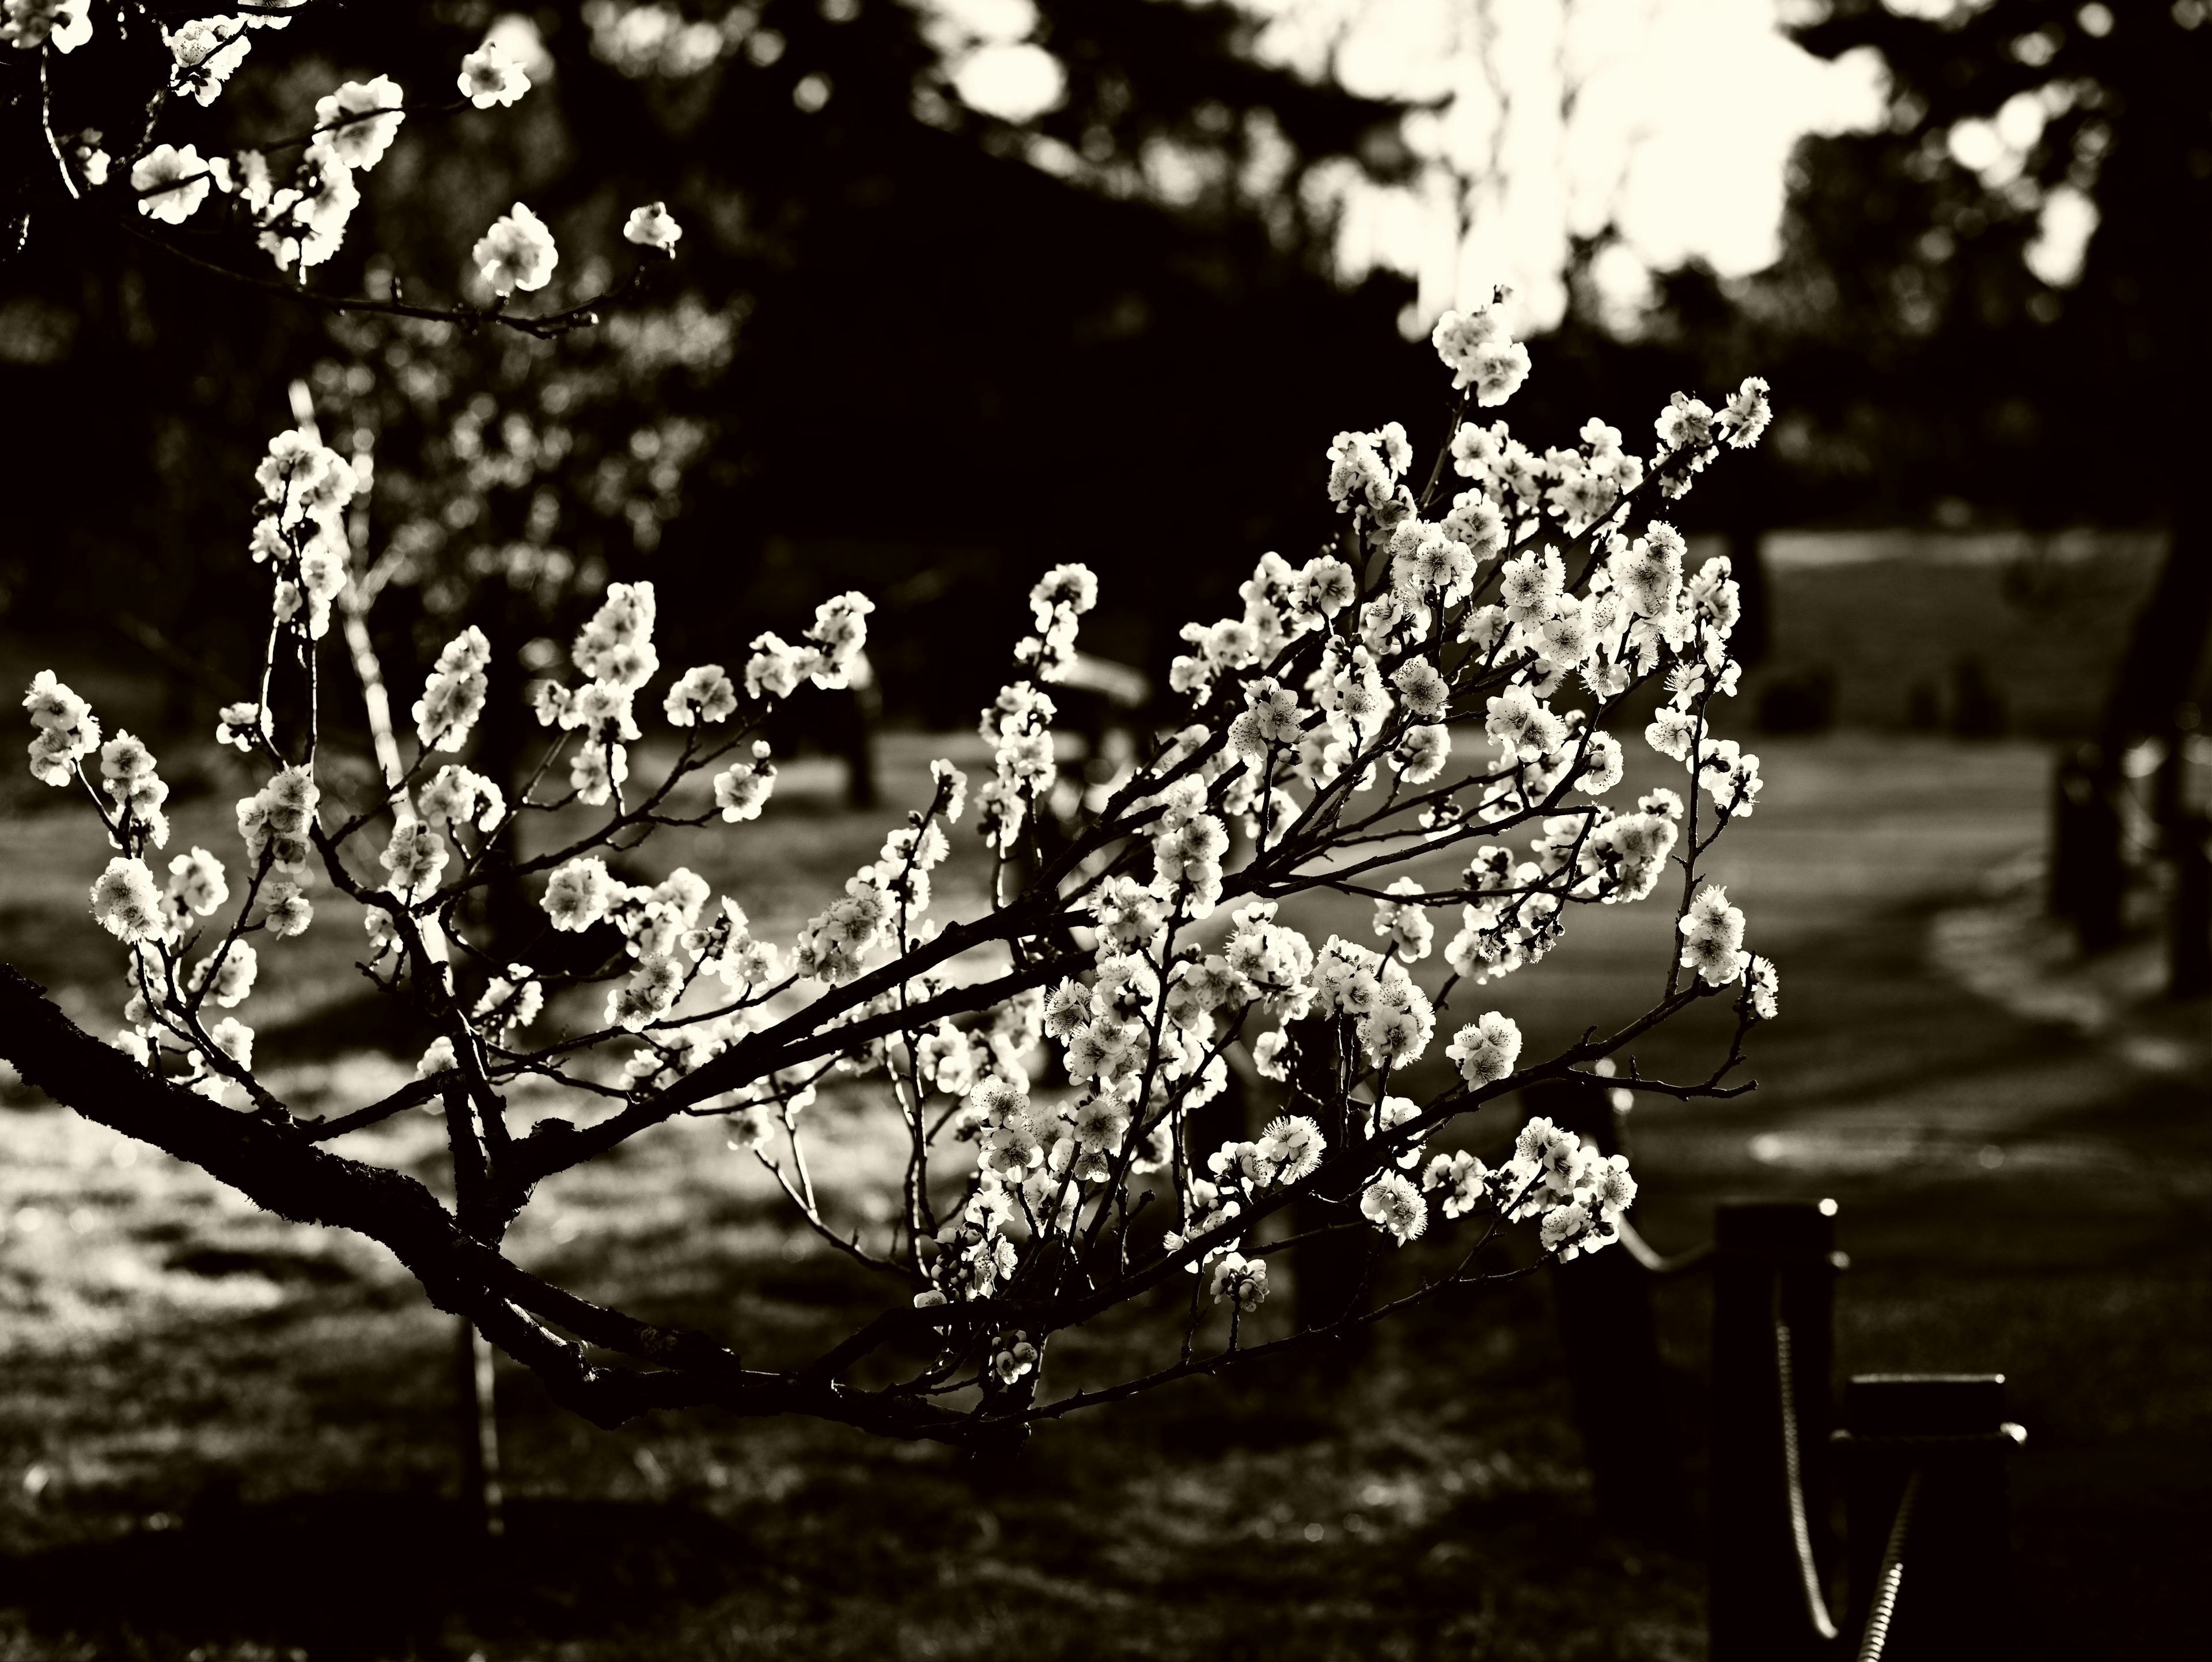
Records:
x=26, y=25
x=196, y=882
x=125, y=903
x=454, y=697
x=1712, y=937
x=1486, y=1051
x=357, y=123
x=516, y=252
x=415, y=856
x=653, y=227
x=1763, y=986
x=1394, y=1205
x=578, y=894
x=204, y=51
x=171, y=183
x=438, y=1058
x=1241, y=1280
x=234, y=1039
x=490, y=76
x=703, y=694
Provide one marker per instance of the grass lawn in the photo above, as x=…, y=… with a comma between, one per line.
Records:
x=225, y=1436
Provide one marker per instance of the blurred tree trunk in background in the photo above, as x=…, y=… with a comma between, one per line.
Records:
x=2085, y=376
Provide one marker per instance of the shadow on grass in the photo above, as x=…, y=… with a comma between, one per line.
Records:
x=360, y=1575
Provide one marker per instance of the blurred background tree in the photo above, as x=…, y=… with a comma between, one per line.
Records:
x=1986, y=308
x=965, y=291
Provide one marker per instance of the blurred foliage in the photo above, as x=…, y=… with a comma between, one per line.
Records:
x=1924, y=372
x=905, y=345
x=2085, y=400
x=1990, y=384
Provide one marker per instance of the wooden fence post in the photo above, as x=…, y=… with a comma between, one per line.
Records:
x=2190, y=948
x=1774, y=1342
x=484, y=1509
x=1329, y=1272
x=1622, y=1403
x=1927, y=1511
x=2088, y=877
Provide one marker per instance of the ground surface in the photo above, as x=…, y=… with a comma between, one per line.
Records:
x=224, y=1436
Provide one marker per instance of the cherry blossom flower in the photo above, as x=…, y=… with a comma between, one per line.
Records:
x=653, y=227
x=490, y=76
x=517, y=253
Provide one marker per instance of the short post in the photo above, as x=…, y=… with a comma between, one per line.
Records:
x=483, y=1510
x=2190, y=948
x=1773, y=1345
x=2087, y=877
x=1329, y=1272
x=1925, y=1457
x=1622, y=1403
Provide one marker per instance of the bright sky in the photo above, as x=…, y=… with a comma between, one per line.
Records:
x=1673, y=118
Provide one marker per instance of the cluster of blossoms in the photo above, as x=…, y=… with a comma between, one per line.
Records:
x=301, y=535
x=884, y=902
x=298, y=216
x=1712, y=944
x=1574, y=1195
x=27, y=25
x=454, y=695
x=1018, y=724
x=1057, y=1078
x=63, y=730
x=158, y=920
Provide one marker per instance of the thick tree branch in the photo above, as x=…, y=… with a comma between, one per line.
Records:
x=285, y=1173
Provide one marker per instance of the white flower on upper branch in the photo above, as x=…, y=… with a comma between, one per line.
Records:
x=454, y=695
x=171, y=183
x=460, y=796
x=1486, y=1051
x=65, y=731
x=415, y=856
x=1730, y=776
x=127, y=903
x=741, y=791
x=616, y=644
x=229, y=979
x=1474, y=346
x=1421, y=753
x=285, y=910
x=357, y=123
x=650, y=994
x=704, y=694
x=516, y=252
x=275, y=821
x=197, y=882
x=1763, y=984
x=238, y=725
x=1745, y=415
x=578, y=894
x=490, y=76
x=1394, y=1206
x=1242, y=1280
x=1712, y=937
x=653, y=227
x=305, y=223
x=204, y=52
x=1405, y=926
x=234, y=1039
x=26, y=25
